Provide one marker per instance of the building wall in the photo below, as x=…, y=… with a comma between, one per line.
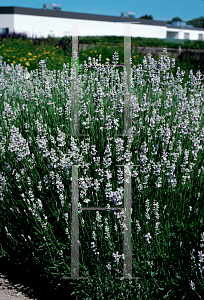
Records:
x=184, y=33
x=41, y=23
x=6, y=21
x=41, y=26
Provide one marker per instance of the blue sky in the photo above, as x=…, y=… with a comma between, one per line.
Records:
x=163, y=10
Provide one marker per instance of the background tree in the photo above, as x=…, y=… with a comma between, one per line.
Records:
x=177, y=19
x=174, y=19
x=147, y=17
x=198, y=22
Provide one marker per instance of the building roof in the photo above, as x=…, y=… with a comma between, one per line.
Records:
x=73, y=15
x=83, y=16
x=188, y=28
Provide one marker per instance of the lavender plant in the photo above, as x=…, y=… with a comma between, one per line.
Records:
x=166, y=144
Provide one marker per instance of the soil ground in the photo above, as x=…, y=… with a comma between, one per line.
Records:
x=16, y=283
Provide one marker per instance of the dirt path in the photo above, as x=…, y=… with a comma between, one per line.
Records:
x=16, y=283
x=9, y=291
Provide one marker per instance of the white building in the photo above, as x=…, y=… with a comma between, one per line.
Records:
x=41, y=23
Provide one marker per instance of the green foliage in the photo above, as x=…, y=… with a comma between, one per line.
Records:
x=197, y=23
x=177, y=19
x=147, y=17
